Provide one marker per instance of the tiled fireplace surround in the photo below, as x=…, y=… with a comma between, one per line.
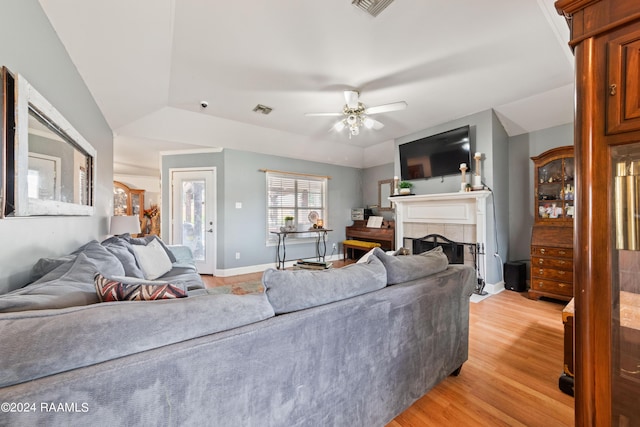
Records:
x=460, y=217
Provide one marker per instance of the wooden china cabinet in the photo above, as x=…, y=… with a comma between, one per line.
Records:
x=127, y=201
x=605, y=38
x=552, y=234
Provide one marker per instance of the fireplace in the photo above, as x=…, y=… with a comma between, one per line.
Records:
x=461, y=217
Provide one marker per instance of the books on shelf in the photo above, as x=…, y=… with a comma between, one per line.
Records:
x=313, y=265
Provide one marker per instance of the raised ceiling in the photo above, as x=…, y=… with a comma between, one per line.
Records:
x=150, y=63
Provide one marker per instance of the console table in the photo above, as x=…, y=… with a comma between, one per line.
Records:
x=281, y=248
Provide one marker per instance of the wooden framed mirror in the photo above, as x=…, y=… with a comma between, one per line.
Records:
x=385, y=189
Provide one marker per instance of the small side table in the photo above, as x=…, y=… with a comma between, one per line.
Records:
x=565, y=383
x=281, y=249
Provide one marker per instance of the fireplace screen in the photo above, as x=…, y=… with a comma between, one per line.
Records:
x=453, y=250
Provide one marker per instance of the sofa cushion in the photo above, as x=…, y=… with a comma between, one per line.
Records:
x=71, y=284
x=152, y=259
x=184, y=274
x=46, y=265
x=43, y=343
x=411, y=267
x=118, y=290
x=291, y=290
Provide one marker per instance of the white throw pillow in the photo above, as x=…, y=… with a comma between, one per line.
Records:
x=152, y=259
x=365, y=258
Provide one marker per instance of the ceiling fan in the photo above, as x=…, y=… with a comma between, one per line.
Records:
x=355, y=114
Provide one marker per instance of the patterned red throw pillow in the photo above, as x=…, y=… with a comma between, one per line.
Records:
x=113, y=290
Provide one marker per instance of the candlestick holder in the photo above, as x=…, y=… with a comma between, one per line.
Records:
x=463, y=170
x=477, y=177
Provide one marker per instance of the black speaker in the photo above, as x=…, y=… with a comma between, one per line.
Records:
x=515, y=276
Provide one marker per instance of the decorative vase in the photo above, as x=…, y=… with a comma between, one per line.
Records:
x=405, y=191
x=155, y=225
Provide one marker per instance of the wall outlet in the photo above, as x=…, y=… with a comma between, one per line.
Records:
x=334, y=247
x=237, y=255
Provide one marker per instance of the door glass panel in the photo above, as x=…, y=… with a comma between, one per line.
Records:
x=193, y=214
x=626, y=285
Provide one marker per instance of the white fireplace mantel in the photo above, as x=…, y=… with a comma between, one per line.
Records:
x=464, y=208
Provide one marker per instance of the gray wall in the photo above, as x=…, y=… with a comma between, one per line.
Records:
x=31, y=47
x=370, y=178
x=521, y=195
x=239, y=179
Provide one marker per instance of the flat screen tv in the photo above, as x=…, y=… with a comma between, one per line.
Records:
x=435, y=155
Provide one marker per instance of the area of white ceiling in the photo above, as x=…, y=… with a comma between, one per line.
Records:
x=149, y=64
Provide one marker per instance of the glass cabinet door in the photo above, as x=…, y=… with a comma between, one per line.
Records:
x=135, y=203
x=626, y=286
x=120, y=201
x=556, y=189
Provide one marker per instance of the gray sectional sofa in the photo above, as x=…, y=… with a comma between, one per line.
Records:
x=353, y=346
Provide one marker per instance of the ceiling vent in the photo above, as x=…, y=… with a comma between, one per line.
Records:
x=262, y=109
x=372, y=7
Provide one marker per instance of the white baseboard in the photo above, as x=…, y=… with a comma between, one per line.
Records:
x=491, y=289
x=494, y=288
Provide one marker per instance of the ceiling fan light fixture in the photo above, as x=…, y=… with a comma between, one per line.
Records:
x=356, y=115
x=339, y=126
x=372, y=7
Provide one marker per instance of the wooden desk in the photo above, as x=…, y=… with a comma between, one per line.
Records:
x=566, y=381
x=629, y=335
x=281, y=249
x=385, y=235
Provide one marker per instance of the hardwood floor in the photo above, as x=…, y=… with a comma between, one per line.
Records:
x=511, y=377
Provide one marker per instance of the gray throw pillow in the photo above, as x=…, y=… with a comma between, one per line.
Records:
x=292, y=290
x=71, y=284
x=122, y=250
x=411, y=267
x=104, y=260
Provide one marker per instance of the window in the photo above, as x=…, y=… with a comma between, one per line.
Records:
x=302, y=197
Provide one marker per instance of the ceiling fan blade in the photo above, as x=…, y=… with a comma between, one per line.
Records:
x=370, y=123
x=352, y=98
x=395, y=106
x=323, y=114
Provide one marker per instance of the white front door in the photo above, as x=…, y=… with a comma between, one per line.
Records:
x=193, y=208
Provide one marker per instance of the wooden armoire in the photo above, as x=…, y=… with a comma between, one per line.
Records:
x=605, y=38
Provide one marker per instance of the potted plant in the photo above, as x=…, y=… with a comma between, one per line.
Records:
x=405, y=187
x=288, y=222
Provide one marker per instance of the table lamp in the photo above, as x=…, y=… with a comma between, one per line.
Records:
x=122, y=224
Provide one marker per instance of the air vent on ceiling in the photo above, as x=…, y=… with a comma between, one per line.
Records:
x=262, y=109
x=372, y=7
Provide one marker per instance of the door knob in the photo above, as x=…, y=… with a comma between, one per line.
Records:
x=210, y=230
